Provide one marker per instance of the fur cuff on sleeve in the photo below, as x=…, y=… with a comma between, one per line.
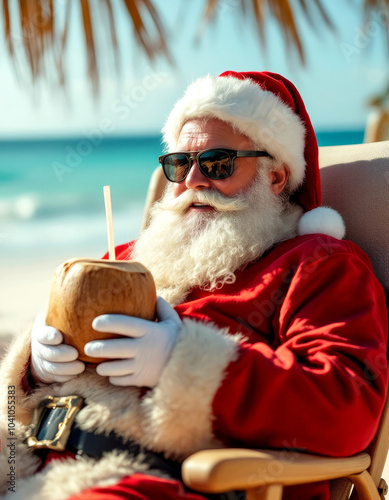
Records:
x=12, y=369
x=179, y=410
x=16, y=460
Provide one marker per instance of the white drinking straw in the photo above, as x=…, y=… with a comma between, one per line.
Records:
x=108, y=214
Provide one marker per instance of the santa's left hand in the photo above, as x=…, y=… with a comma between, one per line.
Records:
x=140, y=359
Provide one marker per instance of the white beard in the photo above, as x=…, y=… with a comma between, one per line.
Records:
x=187, y=250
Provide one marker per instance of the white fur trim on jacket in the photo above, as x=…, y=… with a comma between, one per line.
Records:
x=12, y=369
x=259, y=114
x=324, y=220
x=174, y=418
x=14, y=454
x=179, y=410
x=62, y=479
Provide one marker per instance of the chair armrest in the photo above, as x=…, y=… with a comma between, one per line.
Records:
x=156, y=186
x=215, y=471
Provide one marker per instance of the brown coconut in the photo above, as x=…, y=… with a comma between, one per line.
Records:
x=85, y=288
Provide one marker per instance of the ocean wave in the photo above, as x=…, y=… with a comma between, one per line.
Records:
x=70, y=231
x=22, y=207
x=34, y=206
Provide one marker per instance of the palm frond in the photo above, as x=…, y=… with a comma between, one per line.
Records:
x=44, y=41
x=210, y=9
x=112, y=30
x=90, y=43
x=381, y=8
x=62, y=44
x=323, y=13
x=160, y=47
x=111, y=20
x=376, y=4
x=37, y=21
x=7, y=27
x=258, y=7
x=283, y=11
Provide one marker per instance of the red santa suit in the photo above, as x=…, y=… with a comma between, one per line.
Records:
x=309, y=373
x=292, y=355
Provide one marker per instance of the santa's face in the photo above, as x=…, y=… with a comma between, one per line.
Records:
x=197, y=135
x=186, y=246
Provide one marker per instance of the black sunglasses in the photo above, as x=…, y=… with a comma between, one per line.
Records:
x=213, y=163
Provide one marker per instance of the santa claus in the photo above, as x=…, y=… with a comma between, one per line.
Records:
x=261, y=340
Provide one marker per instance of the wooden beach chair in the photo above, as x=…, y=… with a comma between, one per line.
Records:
x=355, y=181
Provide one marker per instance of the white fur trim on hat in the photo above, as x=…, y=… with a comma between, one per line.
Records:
x=259, y=114
x=324, y=220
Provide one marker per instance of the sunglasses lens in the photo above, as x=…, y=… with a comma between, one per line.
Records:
x=175, y=167
x=216, y=164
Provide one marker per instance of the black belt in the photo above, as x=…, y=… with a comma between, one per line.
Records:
x=53, y=428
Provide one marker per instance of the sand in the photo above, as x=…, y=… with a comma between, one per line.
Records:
x=24, y=290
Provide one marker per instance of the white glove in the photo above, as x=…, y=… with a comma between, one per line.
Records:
x=143, y=356
x=52, y=361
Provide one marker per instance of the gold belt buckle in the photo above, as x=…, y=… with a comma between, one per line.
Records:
x=73, y=405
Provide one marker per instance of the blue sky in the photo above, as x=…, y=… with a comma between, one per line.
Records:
x=342, y=72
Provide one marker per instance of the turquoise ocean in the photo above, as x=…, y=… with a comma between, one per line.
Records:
x=51, y=191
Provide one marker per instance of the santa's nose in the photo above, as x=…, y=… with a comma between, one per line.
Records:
x=196, y=179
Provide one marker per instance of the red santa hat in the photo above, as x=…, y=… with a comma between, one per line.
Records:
x=268, y=109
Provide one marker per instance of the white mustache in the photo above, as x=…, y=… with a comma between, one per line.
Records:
x=218, y=201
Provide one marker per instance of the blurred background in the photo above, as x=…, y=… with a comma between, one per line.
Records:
x=86, y=85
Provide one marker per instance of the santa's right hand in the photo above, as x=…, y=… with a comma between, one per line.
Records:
x=52, y=361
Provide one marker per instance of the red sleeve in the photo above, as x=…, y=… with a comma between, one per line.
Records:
x=323, y=389
x=27, y=381
x=122, y=252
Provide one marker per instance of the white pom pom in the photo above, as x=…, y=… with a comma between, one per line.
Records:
x=324, y=220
